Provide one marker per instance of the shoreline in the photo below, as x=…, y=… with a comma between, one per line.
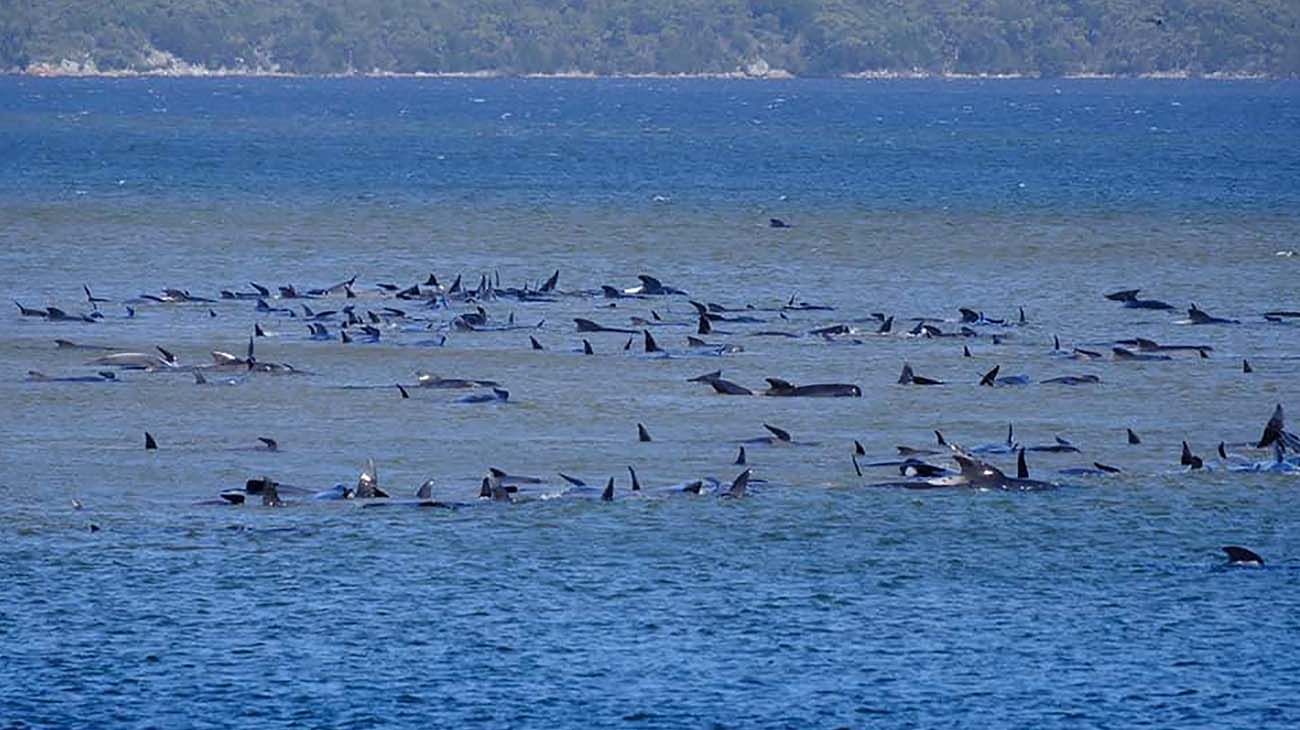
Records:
x=69, y=70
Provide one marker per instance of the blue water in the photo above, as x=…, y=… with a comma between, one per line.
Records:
x=813, y=602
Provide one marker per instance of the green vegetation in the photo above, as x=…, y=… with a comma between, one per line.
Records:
x=804, y=37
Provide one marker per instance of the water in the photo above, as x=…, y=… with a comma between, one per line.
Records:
x=813, y=603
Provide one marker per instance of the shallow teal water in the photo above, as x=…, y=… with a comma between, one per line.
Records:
x=813, y=603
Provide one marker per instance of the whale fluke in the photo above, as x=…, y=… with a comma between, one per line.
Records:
x=1238, y=555
x=535, y=344
x=402, y=389
x=991, y=376
x=780, y=434
x=740, y=458
x=1133, y=437
x=608, y=494
x=149, y=443
x=1245, y=367
x=636, y=483
x=642, y=434
x=586, y=348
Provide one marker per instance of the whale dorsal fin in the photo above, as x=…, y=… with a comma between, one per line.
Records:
x=1022, y=468
x=636, y=483
x=858, y=450
x=199, y=379
x=535, y=344
x=650, y=344
x=642, y=434
x=402, y=389
x=1245, y=367
x=586, y=348
x=740, y=458
x=549, y=286
x=965, y=351
x=695, y=342
x=572, y=480
x=1133, y=437
x=780, y=434
x=1242, y=556
x=168, y=356
x=938, y=436
x=149, y=443
x=779, y=384
x=886, y=327
x=608, y=494
x=425, y=491
x=271, y=444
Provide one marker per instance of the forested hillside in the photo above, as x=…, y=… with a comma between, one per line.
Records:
x=803, y=37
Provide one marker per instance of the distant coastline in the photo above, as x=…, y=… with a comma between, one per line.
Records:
x=74, y=70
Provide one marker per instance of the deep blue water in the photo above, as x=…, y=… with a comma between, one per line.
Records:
x=814, y=602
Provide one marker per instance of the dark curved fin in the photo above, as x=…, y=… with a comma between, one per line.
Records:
x=1126, y=295
x=780, y=434
x=250, y=357
x=1011, y=434
x=1245, y=366
x=938, y=436
x=1107, y=469
x=1272, y=429
x=1133, y=437
x=549, y=286
x=455, y=286
x=1023, y=319
x=149, y=443
x=965, y=351
x=779, y=384
x=271, y=444
x=857, y=469
x=425, y=491
x=402, y=389
x=1056, y=342
x=907, y=376
x=608, y=494
x=705, y=378
x=739, y=484
x=857, y=449
x=1223, y=451
x=258, y=331
x=627, y=345
x=991, y=376
x=650, y=344
x=572, y=480
x=642, y=434
x=705, y=327
x=1187, y=458
x=740, y=458
x=1238, y=554
x=535, y=344
x=886, y=327
x=169, y=357
x=1022, y=468
x=586, y=348
x=636, y=483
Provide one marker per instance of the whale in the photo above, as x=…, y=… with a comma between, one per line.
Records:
x=587, y=325
x=650, y=286
x=1242, y=557
x=1124, y=354
x=1129, y=298
x=785, y=389
x=103, y=376
x=496, y=395
x=974, y=474
x=1196, y=315
x=1072, y=380
x=908, y=377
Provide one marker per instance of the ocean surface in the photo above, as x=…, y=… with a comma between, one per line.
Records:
x=815, y=601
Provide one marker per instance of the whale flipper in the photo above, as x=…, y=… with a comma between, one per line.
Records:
x=572, y=480
x=739, y=485
x=991, y=376
x=1238, y=555
x=1273, y=429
